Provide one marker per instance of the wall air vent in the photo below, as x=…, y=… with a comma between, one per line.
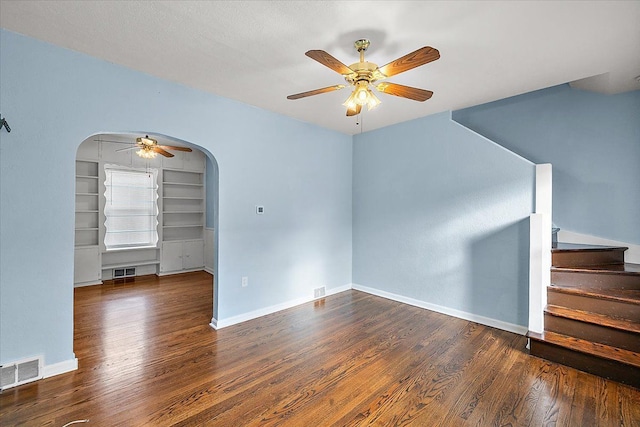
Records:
x=124, y=272
x=22, y=372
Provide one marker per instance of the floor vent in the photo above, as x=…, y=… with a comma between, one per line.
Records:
x=319, y=292
x=124, y=272
x=21, y=372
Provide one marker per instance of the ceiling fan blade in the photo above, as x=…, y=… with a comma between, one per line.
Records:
x=171, y=147
x=354, y=111
x=404, y=91
x=422, y=56
x=161, y=151
x=135, y=147
x=329, y=61
x=115, y=142
x=316, y=92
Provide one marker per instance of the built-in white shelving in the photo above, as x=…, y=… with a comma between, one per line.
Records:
x=182, y=205
x=182, y=214
x=183, y=218
x=87, y=203
x=87, y=227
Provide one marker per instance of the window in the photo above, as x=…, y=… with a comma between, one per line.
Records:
x=131, y=208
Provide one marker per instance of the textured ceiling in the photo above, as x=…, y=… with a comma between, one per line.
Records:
x=254, y=51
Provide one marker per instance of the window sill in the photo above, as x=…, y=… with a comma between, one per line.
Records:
x=133, y=248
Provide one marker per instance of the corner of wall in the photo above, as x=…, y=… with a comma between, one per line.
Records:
x=60, y=367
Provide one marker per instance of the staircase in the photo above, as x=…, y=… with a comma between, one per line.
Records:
x=592, y=317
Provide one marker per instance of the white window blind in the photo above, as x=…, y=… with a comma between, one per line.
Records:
x=131, y=208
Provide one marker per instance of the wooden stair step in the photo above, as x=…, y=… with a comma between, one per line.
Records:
x=627, y=269
x=603, y=351
x=621, y=276
x=630, y=296
x=582, y=247
x=599, y=328
x=617, y=303
x=595, y=318
x=570, y=254
x=599, y=359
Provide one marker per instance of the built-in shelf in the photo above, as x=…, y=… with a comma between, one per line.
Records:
x=186, y=184
x=87, y=233
x=87, y=203
x=82, y=245
x=182, y=205
x=130, y=264
x=182, y=212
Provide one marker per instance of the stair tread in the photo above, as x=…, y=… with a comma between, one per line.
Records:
x=626, y=269
x=594, y=318
x=570, y=247
x=631, y=296
x=595, y=349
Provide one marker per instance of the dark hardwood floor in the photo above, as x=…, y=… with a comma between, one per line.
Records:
x=148, y=357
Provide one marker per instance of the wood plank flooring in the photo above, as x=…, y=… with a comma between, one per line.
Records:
x=149, y=358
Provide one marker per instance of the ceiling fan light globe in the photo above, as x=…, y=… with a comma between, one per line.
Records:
x=350, y=103
x=373, y=101
x=361, y=93
x=363, y=97
x=146, y=154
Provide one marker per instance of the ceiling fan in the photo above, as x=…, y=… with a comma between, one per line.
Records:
x=149, y=148
x=362, y=74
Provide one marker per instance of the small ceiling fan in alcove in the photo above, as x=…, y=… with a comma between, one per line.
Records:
x=148, y=148
x=361, y=75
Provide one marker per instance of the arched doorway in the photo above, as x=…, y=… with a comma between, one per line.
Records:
x=187, y=210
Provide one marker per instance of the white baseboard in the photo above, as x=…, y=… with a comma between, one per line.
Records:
x=494, y=323
x=499, y=324
x=60, y=368
x=632, y=254
x=209, y=270
x=223, y=323
x=191, y=270
x=83, y=284
x=214, y=323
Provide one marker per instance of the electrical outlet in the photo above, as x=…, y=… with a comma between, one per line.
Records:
x=245, y=281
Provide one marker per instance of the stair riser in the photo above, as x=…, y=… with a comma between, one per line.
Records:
x=591, y=332
x=616, y=371
x=586, y=258
x=595, y=280
x=617, y=309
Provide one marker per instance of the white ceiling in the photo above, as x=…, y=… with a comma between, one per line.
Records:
x=253, y=51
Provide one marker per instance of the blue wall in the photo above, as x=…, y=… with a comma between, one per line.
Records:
x=592, y=141
x=441, y=216
x=427, y=210
x=55, y=98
